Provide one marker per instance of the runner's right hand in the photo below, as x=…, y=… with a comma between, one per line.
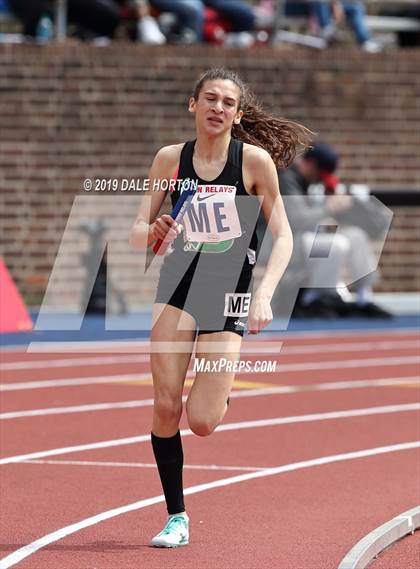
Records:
x=166, y=228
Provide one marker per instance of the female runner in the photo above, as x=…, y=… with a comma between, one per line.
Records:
x=206, y=276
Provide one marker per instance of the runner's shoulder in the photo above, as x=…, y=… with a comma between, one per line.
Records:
x=167, y=158
x=256, y=163
x=255, y=156
x=169, y=153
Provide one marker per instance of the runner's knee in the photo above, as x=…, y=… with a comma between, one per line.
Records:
x=201, y=427
x=167, y=407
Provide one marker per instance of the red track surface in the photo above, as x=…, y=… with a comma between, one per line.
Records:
x=299, y=519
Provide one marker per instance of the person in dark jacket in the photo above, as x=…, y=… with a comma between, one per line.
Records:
x=349, y=248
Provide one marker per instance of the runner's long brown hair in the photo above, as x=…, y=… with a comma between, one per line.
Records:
x=281, y=137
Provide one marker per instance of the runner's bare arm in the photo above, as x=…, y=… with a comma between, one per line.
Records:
x=148, y=227
x=261, y=175
x=266, y=185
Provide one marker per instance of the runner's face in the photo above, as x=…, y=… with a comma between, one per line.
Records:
x=216, y=109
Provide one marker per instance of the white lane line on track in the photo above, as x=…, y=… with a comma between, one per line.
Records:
x=135, y=343
x=73, y=362
x=77, y=409
x=31, y=548
x=352, y=346
x=75, y=381
x=293, y=367
x=127, y=359
x=221, y=428
x=302, y=388
x=142, y=465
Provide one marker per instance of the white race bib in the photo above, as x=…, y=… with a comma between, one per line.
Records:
x=212, y=216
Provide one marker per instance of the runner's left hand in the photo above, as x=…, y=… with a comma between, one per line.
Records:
x=260, y=315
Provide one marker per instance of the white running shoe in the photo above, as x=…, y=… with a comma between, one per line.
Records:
x=174, y=534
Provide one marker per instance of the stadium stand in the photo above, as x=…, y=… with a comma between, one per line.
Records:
x=383, y=16
x=70, y=112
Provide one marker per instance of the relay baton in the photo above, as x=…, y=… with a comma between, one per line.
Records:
x=187, y=192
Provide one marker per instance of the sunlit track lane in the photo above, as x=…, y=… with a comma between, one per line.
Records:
x=325, y=504
x=13, y=376
x=133, y=348
x=289, y=442
x=247, y=447
x=77, y=395
x=36, y=433
x=103, y=384
x=77, y=492
x=139, y=386
x=38, y=350
x=124, y=364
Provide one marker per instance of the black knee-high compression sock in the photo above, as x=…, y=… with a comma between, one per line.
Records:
x=170, y=460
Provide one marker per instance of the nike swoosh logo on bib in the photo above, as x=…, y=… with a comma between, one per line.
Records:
x=202, y=198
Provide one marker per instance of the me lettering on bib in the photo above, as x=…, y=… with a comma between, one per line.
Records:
x=212, y=216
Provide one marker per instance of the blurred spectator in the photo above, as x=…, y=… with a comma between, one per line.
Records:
x=148, y=30
x=92, y=18
x=95, y=17
x=239, y=14
x=350, y=246
x=30, y=13
x=190, y=17
x=235, y=16
x=330, y=14
x=229, y=23
x=100, y=18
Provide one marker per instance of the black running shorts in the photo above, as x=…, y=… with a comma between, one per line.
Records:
x=217, y=302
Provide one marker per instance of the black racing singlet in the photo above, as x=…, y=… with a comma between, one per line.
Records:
x=225, y=255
